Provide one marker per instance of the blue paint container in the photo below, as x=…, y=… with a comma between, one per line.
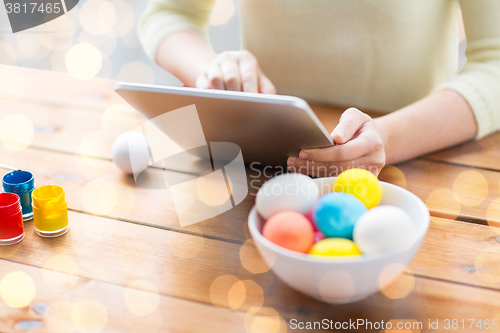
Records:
x=21, y=183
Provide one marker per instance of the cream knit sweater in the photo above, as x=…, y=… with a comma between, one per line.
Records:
x=371, y=54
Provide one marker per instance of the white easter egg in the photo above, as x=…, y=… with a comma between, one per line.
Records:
x=291, y=191
x=130, y=152
x=382, y=228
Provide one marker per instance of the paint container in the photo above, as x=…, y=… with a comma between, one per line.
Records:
x=50, y=211
x=11, y=219
x=21, y=183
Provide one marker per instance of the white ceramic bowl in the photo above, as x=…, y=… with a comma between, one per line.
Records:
x=350, y=279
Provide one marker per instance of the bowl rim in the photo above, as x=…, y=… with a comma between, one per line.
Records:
x=256, y=234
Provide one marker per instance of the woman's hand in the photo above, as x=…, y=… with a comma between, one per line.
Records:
x=237, y=71
x=358, y=145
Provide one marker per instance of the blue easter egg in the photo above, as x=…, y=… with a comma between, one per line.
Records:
x=335, y=214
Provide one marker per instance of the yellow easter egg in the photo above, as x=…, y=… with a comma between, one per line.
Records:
x=335, y=247
x=360, y=183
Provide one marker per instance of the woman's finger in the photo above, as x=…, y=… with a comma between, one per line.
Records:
x=214, y=75
x=265, y=85
x=231, y=75
x=350, y=121
x=202, y=82
x=248, y=73
x=365, y=143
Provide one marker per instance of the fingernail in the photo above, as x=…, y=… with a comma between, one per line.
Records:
x=303, y=155
x=290, y=162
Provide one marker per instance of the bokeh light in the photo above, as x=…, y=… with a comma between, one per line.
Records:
x=444, y=198
x=104, y=43
x=89, y=316
x=142, y=297
x=254, y=297
x=58, y=318
x=63, y=33
x=97, y=17
x=31, y=47
x=236, y=295
x=83, y=61
x=251, y=259
x=136, y=258
x=212, y=189
x=119, y=118
x=393, y=285
x=127, y=19
x=471, y=187
x=337, y=286
x=272, y=322
x=136, y=71
x=487, y=265
x=219, y=290
x=222, y=12
x=17, y=289
x=393, y=175
x=93, y=144
x=16, y=132
x=60, y=272
x=99, y=197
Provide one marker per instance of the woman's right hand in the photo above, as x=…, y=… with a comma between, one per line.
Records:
x=236, y=71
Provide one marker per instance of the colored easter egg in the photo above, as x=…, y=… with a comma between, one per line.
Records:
x=335, y=214
x=287, y=192
x=335, y=247
x=309, y=216
x=383, y=228
x=318, y=236
x=360, y=183
x=290, y=230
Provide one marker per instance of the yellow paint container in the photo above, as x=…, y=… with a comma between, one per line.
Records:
x=50, y=211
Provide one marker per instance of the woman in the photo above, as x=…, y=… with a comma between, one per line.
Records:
x=395, y=56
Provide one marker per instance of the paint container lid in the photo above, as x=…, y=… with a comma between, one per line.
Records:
x=18, y=181
x=10, y=204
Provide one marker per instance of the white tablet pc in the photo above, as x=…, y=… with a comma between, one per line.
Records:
x=267, y=128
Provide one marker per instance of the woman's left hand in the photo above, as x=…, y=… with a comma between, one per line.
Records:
x=358, y=145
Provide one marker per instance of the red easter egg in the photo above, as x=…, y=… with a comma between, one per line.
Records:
x=310, y=217
x=290, y=230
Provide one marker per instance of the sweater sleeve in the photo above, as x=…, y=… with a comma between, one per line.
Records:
x=479, y=80
x=164, y=17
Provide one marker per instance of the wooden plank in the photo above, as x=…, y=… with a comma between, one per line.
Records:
x=49, y=87
x=432, y=182
x=451, y=191
x=65, y=127
x=100, y=188
x=460, y=252
x=95, y=306
x=428, y=299
x=484, y=153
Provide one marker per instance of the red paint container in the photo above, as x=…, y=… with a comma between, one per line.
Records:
x=11, y=219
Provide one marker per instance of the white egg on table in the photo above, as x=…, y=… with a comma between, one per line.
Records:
x=383, y=228
x=287, y=192
x=130, y=152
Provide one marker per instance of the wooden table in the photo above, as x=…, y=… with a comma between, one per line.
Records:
x=127, y=266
